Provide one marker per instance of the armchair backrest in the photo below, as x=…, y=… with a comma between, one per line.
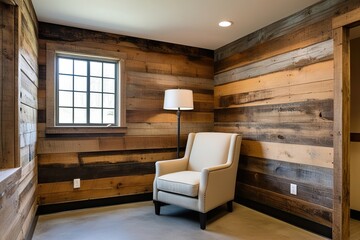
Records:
x=209, y=149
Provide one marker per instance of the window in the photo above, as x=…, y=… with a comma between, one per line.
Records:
x=85, y=90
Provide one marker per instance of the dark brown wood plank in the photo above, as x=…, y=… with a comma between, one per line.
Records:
x=310, y=211
x=307, y=174
x=308, y=192
x=58, y=173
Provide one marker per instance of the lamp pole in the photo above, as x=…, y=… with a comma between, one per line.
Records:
x=178, y=133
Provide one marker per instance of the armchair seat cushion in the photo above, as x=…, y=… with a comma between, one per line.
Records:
x=184, y=183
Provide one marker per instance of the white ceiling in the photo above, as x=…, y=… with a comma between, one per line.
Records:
x=187, y=22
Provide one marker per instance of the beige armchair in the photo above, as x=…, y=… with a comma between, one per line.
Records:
x=204, y=178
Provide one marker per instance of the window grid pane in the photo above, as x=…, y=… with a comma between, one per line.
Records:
x=86, y=91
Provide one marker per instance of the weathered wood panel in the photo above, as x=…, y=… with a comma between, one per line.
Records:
x=287, y=66
x=310, y=211
x=18, y=204
x=307, y=174
x=312, y=73
x=95, y=188
x=306, y=36
x=56, y=173
x=276, y=176
x=9, y=139
x=18, y=197
x=299, y=58
x=287, y=26
x=312, y=133
x=97, y=144
x=307, y=192
x=309, y=111
x=341, y=221
x=151, y=68
x=303, y=154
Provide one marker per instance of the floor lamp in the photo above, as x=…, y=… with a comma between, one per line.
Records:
x=178, y=99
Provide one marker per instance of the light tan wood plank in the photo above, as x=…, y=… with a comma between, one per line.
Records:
x=303, y=154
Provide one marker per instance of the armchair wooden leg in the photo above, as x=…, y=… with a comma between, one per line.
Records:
x=202, y=220
x=229, y=206
x=157, y=207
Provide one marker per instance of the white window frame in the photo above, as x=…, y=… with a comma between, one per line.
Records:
x=52, y=49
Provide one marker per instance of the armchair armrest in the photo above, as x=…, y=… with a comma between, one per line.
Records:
x=217, y=185
x=170, y=166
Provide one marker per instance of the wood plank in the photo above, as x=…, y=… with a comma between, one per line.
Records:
x=297, y=93
x=315, y=194
x=154, y=81
x=299, y=20
x=315, y=53
x=110, y=183
x=167, y=116
x=138, y=156
x=317, y=176
x=167, y=128
x=28, y=71
x=307, y=74
x=58, y=173
x=70, y=34
x=346, y=19
x=303, y=154
x=28, y=92
x=9, y=97
x=73, y=145
x=94, y=194
x=310, y=133
x=140, y=103
x=59, y=158
x=308, y=35
x=307, y=111
x=149, y=67
x=27, y=126
x=310, y=211
x=341, y=134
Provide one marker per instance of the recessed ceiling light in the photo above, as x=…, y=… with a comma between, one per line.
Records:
x=225, y=24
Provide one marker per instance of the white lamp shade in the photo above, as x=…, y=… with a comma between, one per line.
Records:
x=178, y=99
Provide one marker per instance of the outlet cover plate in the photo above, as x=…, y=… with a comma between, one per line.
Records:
x=77, y=183
x=293, y=189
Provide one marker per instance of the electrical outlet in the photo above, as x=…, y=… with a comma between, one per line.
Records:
x=293, y=189
x=77, y=183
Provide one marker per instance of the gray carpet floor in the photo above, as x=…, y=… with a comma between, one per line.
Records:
x=137, y=221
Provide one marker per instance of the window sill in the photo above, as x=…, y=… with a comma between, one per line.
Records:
x=84, y=130
x=7, y=178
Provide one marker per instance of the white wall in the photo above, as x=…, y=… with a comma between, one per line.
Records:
x=355, y=125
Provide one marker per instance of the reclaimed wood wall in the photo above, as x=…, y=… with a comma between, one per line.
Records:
x=18, y=185
x=275, y=86
x=119, y=165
